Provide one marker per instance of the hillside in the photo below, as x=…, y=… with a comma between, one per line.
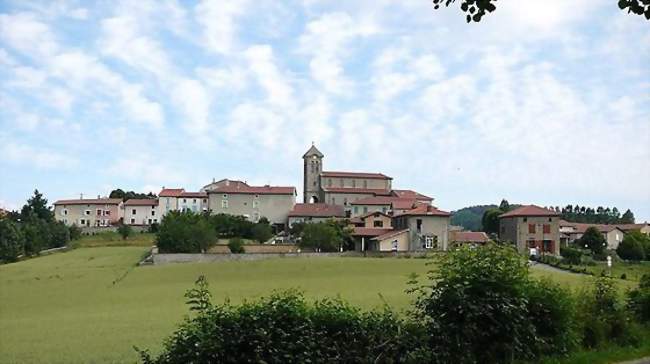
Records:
x=470, y=217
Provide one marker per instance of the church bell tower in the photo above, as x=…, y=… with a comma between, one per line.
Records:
x=313, y=166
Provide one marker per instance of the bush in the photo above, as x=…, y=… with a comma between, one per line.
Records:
x=632, y=247
x=285, y=328
x=75, y=232
x=59, y=235
x=185, y=232
x=571, y=255
x=124, y=230
x=261, y=232
x=153, y=228
x=229, y=226
x=623, y=276
x=479, y=308
x=593, y=240
x=12, y=241
x=638, y=300
x=236, y=246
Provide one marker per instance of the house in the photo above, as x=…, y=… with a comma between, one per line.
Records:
x=468, y=237
x=529, y=227
x=572, y=231
x=642, y=227
x=428, y=227
x=252, y=202
x=141, y=212
x=177, y=199
x=89, y=212
x=314, y=212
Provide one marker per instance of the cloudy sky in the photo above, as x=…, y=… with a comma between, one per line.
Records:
x=546, y=103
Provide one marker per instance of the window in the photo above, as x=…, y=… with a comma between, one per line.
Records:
x=107, y=213
x=184, y=200
x=418, y=224
x=132, y=221
x=365, y=184
x=383, y=209
x=256, y=216
x=64, y=212
x=329, y=182
x=193, y=200
x=155, y=221
x=149, y=221
x=550, y=219
x=365, y=209
x=153, y=212
x=345, y=201
x=333, y=201
x=341, y=182
x=98, y=212
x=224, y=204
x=394, y=245
x=205, y=200
x=256, y=204
x=525, y=219
x=531, y=228
x=354, y=183
x=378, y=223
x=82, y=222
x=133, y=212
x=87, y=212
x=547, y=228
x=356, y=210
x=430, y=242
x=65, y=221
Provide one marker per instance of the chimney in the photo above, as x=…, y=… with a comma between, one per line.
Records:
x=214, y=180
x=98, y=197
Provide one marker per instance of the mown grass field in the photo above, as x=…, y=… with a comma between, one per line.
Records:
x=91, y=305
x=114, y=239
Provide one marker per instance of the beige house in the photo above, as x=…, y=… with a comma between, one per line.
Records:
x=90, y=212
x=642, y=227
x=141, y=212
x=177, y=199
x=572, y=231
x=396, y=241
x=253, y=202
x=428, y=227
x=314, y=213
x=531, y=227
x=168, y=200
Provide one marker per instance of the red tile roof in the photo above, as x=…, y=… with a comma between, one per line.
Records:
x=90, y=201
x=354, y=175
x=141, y=202
x=629, y=227
x=171, y=192
x=194, y=194
x=373, y=213
x=410, y=194
x=375, y=200
x=404, y=204
x=469, y=236
x=580, y=228
x=317, y=210
x=363, y=231
x=529, y=210
x=365, y=191
x=257, y=190
x=390, y=234
x=424, y=210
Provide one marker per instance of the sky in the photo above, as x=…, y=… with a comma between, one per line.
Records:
x=543, y=101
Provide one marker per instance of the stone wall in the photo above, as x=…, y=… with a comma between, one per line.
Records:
x=257, y=248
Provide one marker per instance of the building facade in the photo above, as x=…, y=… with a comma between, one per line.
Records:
x=314, y=213
x=428, y=227
x=531, y=227
x=95, y=212
x=141, y=212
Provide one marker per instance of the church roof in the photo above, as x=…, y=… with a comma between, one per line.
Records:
x=313, y=151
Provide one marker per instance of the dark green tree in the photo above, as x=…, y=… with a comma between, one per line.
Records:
x=125, y=231
x=185, y=232
x=593, y=240
x=627, y=218
x=490, y=221
x=36, y=207
x=504, y=205
x=12, y=241
x=320, y=237
x=262, y=232
x=236, y=245
x=635, y=246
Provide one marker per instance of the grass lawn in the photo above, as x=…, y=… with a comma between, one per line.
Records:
x=91, y=305
x=633, y=271
x=114, y=239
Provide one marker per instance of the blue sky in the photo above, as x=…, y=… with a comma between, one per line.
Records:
x=546, y=103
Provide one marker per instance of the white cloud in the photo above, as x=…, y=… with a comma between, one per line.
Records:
x=223, y=79
x=22, y=154
x=192, y=99
x=26, y=34
x=262, y=64
x=328, y=40
x=219, y=22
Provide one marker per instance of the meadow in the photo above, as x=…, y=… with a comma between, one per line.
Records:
x=91, y=305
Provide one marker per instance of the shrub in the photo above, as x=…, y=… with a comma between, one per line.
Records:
x=638, y=300
x=59, y=235
x=153, y=228
x=285, y=328
x=75, y=232
x=571, y=255
x=261, y=232
x=593, y=240
x=624, y=276
x=12, y=241
x=632, y=247
x=231, y=226
x=124, y=230
x=236, y=246
x=185, y=232
x=479, y=308
x=37, y=235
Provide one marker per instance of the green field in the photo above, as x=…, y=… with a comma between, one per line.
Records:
x=114, y=239
x=91, y=305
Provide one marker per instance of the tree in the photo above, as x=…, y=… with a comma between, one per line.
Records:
x=12, y=241
x=185, y=232
x=628, y=217
x=504, y=205
x=490, y=221
x=59, y=234
x=36, y=207
x=37, y=235
x=320, y=237
x=635, y=246
x=261, y=232
x=593, y=240
x=124, y=230
x=476, y=9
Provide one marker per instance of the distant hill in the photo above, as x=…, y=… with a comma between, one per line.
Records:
x=470, y=217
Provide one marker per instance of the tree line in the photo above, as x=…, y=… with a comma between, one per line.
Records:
x=128, y=195
x=32, y=229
